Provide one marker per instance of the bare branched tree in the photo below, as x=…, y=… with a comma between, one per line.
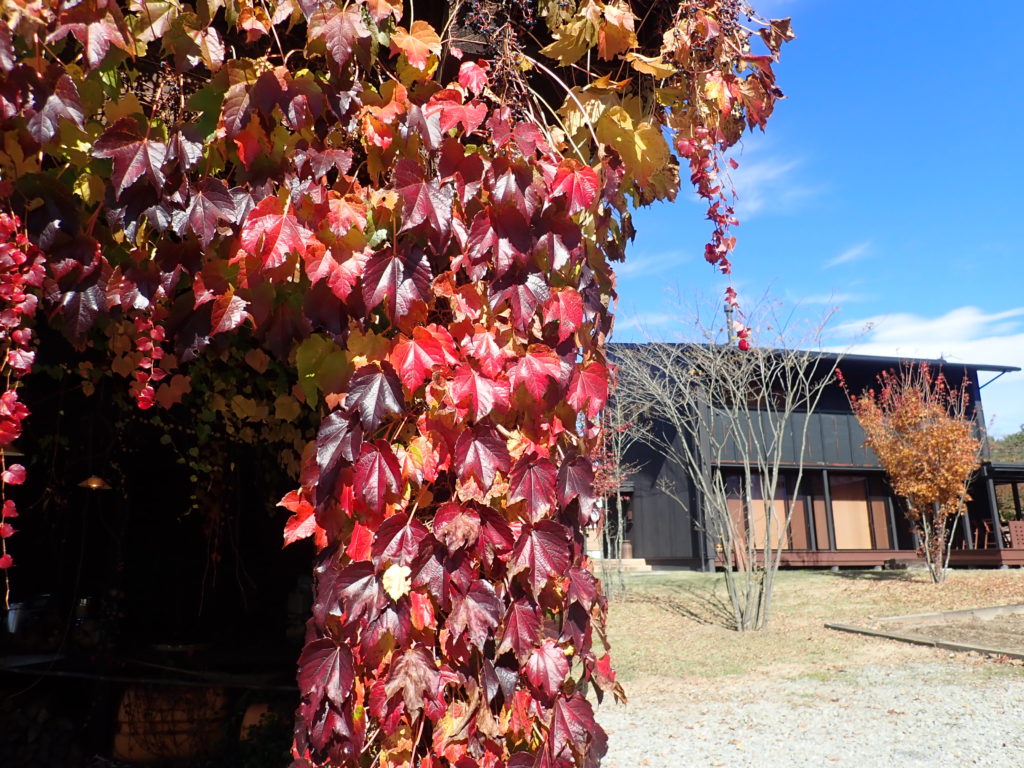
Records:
x=709, y=406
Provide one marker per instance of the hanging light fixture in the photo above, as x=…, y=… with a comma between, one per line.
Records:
x=95, y=483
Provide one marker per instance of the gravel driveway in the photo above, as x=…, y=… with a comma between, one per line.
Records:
x=937, y=715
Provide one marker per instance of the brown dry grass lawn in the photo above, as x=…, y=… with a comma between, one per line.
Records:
x=672, y=625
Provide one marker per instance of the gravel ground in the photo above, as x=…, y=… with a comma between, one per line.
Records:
x=935, y=715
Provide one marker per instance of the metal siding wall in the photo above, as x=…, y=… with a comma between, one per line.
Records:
x=662, y=529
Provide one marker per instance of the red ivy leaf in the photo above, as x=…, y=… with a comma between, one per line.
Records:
x=533, y=480
x=62, y=104
x=416, y=357
x=573, y=725
x=14, y=474
x=325, y=672
x=415, y=676
x=588, y=388
x=302, y=524
x=473, y=76
x=211, y=203
x=565, y=307
x=353, y=591
x=397, y=279
x=523, y=297
x=521, y=630
x=377, y=476
x=534, y=369
x=376, y=393
x=228, y=312
x=424, y=201
x=133, y=155
x=547, y=668
x=476, y=613
x=481, y=453
x=471, y=388
x=543, y=552
x=341, y=30
x=578, y=183
x=398, y=540
x=271, y=232
x=456, y=526
x=337, y=446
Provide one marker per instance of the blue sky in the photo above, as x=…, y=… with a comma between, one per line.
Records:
x=889, y=185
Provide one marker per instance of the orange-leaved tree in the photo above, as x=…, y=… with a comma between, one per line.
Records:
x=923, y=433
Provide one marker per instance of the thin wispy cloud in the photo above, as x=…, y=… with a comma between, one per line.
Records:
x=962, y=335
x=853, y=253
x=640, y=321
x=768, y=185
x=838, y=299
x=643, y=266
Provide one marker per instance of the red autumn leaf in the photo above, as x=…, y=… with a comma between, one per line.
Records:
x=342, y=30
x=573, y=726
x=588, y=388
x=14, y=474
x=485, y=350
x=133, y=155
x=523, y=296
x=475, y=612
x=582, y=588
x=322, y=263
x=495, y=540
x=456, y=526
x=535, y=369
x=337, y=446
x=62, y=104
x=93, y=27
x=360, y=542
x=6, y=561
x=424, y=201
x=354, y=591
x=421, y=611
x=210, y=204
x=473, y=76
x=565, y=308
x=228, y=312
x=533, y=480
x=542, y=551
x=398, y=280
x=521, y=630
x=504, y=235
x=377, y=476
x=471, y=388
x=271, y=232
x=302, y=524
x=398, y=541
x=578, y=183
x=481, y=452
x=547, y=668
x=575, y=480
x=325, y=672
x=416, y=357
x=376, y=393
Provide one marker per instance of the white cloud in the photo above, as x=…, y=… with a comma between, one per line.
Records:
x=962, y=335
x=639, y=322
x=853, y=253
x=837, y=299
x=641, y=266
x=767, y=184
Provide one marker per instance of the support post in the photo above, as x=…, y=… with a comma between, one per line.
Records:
x=993, y=508
x=828, y=510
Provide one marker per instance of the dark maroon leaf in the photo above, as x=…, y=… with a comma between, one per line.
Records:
x=522, y=294
x=480, y=452
x=186, y=148
x=325, y=672
x=582, y=587
x=521, y=631
x=398, y=280
x=377, y=476
x=495, y=539
x=398, y=540
x=353, y=590
x=476, y=612
x=533, y=481
x=424, y=201
x=576, y=480
x=543, y=552
x=133, y=155
x=547, y=668
x=337, y=446
x=237, y=109
x=573, y=726
x=210, y=204
x=93, y=26
x=62, y=104
x=376, y=393
x=504, y=235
